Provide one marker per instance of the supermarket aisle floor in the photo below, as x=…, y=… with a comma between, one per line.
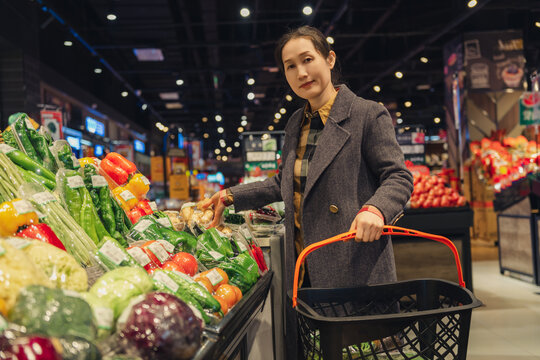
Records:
x=508, y=326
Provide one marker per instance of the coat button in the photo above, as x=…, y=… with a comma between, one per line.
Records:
x=334, y=209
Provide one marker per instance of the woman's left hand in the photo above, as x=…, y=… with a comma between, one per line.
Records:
x=368, y=226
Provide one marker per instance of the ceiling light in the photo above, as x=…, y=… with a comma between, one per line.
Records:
x=221, y=141
x=173, y=105
x=236, y=144
x=377, y=88
x=283, y=110
x=218, y=157
x=206, y=135
x=218, y=118
x=423, y=87
x=180, y=130
x=288, y=97
x=204, y=119
x=144, y=106
x=222, y=145
x=243, y=122
x=437, y=120
x=229, y=149
x=277, y=115
x=220, y=130
x=399, y=120
x=276, y=121
x=179, y=82
x=159, y=125
x=124, y=94
x=271, y=127
x=380, y=102
x=424, y=59
x=244, y=117
x=399, y=74
x=307, y=10
x=251, y=96
x=217, y=151
x=244, y=12
x=111, y=17
x=224, y=158
x=472, y=3
x=165, y=129
x=537, y=24
x=68, y=43
x=250, y=81
x=330, y=40
x=398, y=113
x=265, y=136
x=169, y=96
x=98, y=70
x=149, y=54
x=407, y=104
x=240, y=129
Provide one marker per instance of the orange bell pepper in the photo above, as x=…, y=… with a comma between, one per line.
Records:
x=14, y=214
x=138, y=185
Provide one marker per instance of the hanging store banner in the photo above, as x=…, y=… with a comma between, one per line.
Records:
x=529, y=108
x=179, y=186
x=52, y=121
x=494, y=61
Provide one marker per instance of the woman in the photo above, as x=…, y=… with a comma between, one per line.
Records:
x=342, y=169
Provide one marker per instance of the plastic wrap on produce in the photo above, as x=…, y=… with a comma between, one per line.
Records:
x=74, y=238
x=60, y=267
x=10, y=175
x=177, y=221
x=61, y=151
x=16, y=272
x=53, y=312
x=113, y=255
x=162, y=327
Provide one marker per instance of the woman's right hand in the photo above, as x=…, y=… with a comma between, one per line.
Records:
x=218, y=205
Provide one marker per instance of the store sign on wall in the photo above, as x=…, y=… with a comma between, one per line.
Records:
x=529, y=108
x=52, y=121
x=411, y=140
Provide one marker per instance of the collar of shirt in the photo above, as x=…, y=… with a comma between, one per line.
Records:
x=324, y=111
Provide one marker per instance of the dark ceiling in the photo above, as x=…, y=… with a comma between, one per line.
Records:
x=214, y=50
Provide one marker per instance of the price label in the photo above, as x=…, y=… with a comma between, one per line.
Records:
x=140, y=257
x=145, y=180
x=2, y=250
x=164, y=221
x=215, y=255
x=127, y=195
x=29, y=124
x=158, y=250
x=43, y=198
x=246, y=233
x=76, y=164
x=98, y=181
x=112, y=252
x=18, y=243
x=221, y=234
x=167, y=245
x=40, y=215
x=6, y=149
x=72, y=293
x=23, y=207
x=143, y=225
x=75, y=182
x=188, y=204
x=184, y=276
x=153, y=205
x=241, y=246
x=215, y=277
x=166, y=280
x=104, y=317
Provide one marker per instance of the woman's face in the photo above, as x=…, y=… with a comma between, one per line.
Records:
x=307, y=71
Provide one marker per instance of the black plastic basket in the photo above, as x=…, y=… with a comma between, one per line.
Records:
x=412, y=320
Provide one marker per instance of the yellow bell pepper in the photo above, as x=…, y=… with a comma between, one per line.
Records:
x=86, y=160
x=125, y=198
x=138, y=185
x=14, y=214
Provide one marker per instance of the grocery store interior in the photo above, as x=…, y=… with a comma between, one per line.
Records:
x=120, y=121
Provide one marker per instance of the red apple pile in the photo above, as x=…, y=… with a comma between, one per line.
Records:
x=431, y=191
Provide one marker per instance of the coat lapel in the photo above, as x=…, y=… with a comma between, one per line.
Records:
x=332, y=139
x=292, y=131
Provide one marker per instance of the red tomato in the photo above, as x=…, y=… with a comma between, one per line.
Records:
x=415, y=204
x=173, y=266
x=436, y=202
x=461, y=201
x=445, y=201
x=448, y=191
x=187, y=261
x=427, y=204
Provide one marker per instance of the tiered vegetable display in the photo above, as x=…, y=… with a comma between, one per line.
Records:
x=432, y=191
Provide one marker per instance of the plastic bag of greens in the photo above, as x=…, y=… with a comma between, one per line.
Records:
x=113, y=255
x=61, y=150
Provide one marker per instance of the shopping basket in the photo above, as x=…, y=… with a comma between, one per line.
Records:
x=410, y=320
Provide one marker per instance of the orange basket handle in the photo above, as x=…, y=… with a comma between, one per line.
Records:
x=387, y=230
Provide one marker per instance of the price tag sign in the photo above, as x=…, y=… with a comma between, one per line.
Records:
x=23, y=207
x=75, y=182
x=43, y=198
x=18, y=243
x=29, y=124
x=165, y=222
x=215, y=255
x=145, y=180
x=143, y=225
x=127, y=195
x=241, y=246
x=6, y=149
x=167, y=245
x=98, y=181
x=158, y=250
x=140, y=257
x=104, y=317
x=112, y=252
x=153, y=205
x=76, y=164
x=215, y=277
x=165, y=280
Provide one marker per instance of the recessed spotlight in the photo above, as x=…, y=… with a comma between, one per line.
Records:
x=240, y=129
x=180, y=130
x=398, y=113
x=424, y=59
x=472, y=3
x=68, y=43
x=288, y=97
x=283, y=110
x=218, y=157
x=144, y=106
x=204, y=119
x=224, y=158
x=250, y=81
x=437, y=120
x=330, y=40
x=537, y=24
x=276, y=121
x=377, y=88
x=229, y=149
x=399, y=74
x=217, y=151
x=407, y=104
x=179, y=82
x=124, y=94
x=98, y=70
x=165, y=129
x=222, y=144
x=220, y=130
x=243, y=122
x=251, y=96
x=236, y=144
x=271, y=127
x=206, y=135
x=111, y=17
x=307, y=10
x=244, y=12
x=399, y=120
x=218, y=118
x=277, y=115
x=243, y=117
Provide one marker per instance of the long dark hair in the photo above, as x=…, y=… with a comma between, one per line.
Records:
x=319, y=42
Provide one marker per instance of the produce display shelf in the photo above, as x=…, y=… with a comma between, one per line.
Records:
x=519, y=190
x=228, y=338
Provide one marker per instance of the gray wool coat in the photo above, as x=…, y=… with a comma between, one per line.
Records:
x=357, y=162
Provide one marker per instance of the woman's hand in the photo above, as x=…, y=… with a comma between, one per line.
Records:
x=219, y=207
x=368, y=225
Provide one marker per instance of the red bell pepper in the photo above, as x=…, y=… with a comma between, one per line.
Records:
x=121, y=162
x=43, y=233
x=135, y=214
x=144, y=205
x=118, y=175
